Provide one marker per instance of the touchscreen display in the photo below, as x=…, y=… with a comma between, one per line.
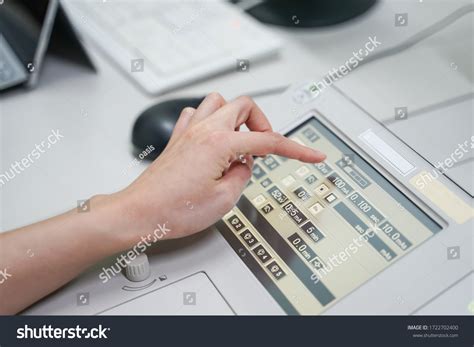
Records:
x=313, y=233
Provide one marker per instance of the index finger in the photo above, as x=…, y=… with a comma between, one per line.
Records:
x=258, y=143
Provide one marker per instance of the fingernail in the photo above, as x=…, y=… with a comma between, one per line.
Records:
x=189, y=111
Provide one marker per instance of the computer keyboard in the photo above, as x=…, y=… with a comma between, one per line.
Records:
x=165, y=44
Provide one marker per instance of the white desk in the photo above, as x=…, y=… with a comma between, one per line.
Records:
x=95, y=112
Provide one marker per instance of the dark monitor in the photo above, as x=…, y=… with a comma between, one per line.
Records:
x=308, y=13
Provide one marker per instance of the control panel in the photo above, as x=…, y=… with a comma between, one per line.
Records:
x=313, y=233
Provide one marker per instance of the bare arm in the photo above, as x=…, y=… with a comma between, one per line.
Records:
x=39, y=258
x=200, y=166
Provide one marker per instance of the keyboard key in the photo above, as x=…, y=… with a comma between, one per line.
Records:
x=288, y=181
x=313, y=232
x=324, y=168
x=278, y=195
x=236, y=223
x=261, y=254
x=267, y=209
x=302, y=193
x=301, y=247
x=259, y=200
x=396, y=236
x=248, y=238
x=295, y=214
x=270, y=162
x=311, y=179
x=310, y=134
x=316, y=208
x=340, y=183
x=322, y=189
x=276, y=270
x=257, y=171
x=266, y=182
x=302, y=171
x=317, y=263
x=366, y=208
x=330, y=198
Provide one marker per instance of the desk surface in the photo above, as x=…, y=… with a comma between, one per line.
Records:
x=95, y=112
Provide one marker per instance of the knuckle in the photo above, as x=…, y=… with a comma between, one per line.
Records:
x=276, y=140
x=245, y=99
x=214, y=96
x=191, y=133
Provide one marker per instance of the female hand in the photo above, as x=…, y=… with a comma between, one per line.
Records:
x=193, y=183
x=199, y=177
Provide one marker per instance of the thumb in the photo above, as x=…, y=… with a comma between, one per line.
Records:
x=237, y=176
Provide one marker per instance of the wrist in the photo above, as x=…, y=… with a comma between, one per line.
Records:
x=109, y=216
x=128, y=222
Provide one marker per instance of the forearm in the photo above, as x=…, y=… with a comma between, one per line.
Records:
x=194, y=182
x=42, y=257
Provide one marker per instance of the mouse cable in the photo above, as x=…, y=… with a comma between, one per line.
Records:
x=420, y=36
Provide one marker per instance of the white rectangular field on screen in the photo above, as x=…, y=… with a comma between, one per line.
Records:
x=382, y=148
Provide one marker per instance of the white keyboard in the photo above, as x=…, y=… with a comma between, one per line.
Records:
x=164, y=44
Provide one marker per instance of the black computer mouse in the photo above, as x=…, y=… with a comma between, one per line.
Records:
x=152, y=129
